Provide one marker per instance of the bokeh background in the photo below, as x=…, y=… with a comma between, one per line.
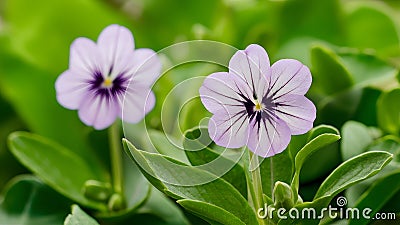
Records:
x=351, y=46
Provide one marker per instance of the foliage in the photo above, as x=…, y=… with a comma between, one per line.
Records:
x=351, y=47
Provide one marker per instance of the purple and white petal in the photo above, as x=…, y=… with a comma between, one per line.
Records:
x=268, y=137
x=253, y=66
x=116, y=44
x=289, y=76
x=229, y=129
x=137, y=102
x=223, y=91
x=297, y=111
x=85, y=57
x=98, y=111
x=71, y=89
x=145, y=66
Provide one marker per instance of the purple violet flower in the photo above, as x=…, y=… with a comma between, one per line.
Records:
x=258, y=105
x=105, y=76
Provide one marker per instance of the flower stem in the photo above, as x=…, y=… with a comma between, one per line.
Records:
x=255, y=186
x=271, y=168
x=116, y=158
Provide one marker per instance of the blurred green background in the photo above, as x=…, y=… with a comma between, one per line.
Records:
x=351, y=46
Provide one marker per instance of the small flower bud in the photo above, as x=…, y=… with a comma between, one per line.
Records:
x=116, y=203
x=283, y=195
x=96, y=190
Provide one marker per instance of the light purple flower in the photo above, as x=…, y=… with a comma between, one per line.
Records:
x=256, y=104
x=109, y=75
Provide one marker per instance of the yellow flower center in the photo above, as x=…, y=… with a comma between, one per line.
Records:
x=258, y=106
x=107, y=83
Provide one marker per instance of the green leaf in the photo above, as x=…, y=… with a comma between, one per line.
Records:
x=60, y=168
x=321, y=129
x=185, y=182
x=162, y=208
x=389, y=144
x=165, y=146
x=312, y=146
x=209, y=212
x=79, y=217
x=326, y=65
x=28, y=201
x=377, y=195
x=389, y=111
x=214, y=160
x=356, y=137
x=367, y=69
x=379, y=22
x=352, y=171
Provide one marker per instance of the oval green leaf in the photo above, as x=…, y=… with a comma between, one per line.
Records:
x=325, y=65
x=352, y=171
x=356, y=138
x=58, y=167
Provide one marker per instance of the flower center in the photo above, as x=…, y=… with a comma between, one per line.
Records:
x=258, y=107
x=107, y=83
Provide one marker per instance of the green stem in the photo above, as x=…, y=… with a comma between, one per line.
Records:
x=116, y=157
x=255, y=186
x=271, y=168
